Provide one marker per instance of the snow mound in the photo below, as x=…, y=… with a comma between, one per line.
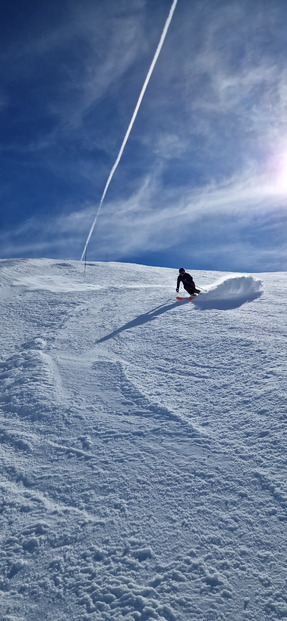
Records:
x=30, y=382
x=231, y=293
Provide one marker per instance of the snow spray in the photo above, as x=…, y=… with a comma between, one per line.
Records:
x=149, y=73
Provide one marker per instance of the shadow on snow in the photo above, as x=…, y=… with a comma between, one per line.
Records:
x=206, y=303
x=202, y=303
x=141, y=319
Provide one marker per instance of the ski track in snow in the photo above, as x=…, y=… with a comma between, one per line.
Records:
x=143, y=445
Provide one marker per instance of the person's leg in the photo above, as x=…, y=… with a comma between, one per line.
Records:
x=190, y=290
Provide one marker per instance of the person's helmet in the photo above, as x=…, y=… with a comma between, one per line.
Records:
x=181, y=270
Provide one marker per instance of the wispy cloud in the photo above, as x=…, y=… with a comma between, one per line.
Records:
x=227, y=77
x=74, y=62
x=206, y=152
x=216, y=222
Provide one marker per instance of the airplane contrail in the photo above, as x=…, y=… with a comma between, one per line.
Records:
x=156, y=55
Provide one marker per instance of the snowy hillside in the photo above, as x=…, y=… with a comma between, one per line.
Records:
x=143, y=445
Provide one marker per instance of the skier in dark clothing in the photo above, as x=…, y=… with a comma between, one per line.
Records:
x=187, y=282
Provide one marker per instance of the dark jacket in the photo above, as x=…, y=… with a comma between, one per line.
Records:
x=186, y=280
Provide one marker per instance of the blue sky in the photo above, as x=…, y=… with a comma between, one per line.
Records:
x=202, y=182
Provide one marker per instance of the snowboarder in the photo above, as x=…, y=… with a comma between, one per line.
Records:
x=187, y=282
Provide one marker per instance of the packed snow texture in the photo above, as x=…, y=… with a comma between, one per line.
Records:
x=143, y=445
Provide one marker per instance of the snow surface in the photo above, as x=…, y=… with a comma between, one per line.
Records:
x=143, y=444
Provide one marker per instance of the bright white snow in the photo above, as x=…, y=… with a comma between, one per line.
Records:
x=143, y=445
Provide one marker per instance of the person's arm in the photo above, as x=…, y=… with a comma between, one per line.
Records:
x=178, y=283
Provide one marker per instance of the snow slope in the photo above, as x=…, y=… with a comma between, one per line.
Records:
x=143, y=445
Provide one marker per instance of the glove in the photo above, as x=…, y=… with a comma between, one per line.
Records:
x=177, y=290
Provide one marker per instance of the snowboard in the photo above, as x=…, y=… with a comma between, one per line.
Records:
x=190, y=298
